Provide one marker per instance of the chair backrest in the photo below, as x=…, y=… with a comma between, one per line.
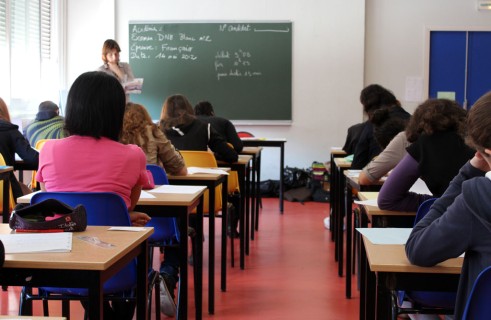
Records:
x=165, y=229
x=423, y=209
x=478, y=306
x=158, y=173
x=103, y=209
x=245, y=134
x=204, y=159
x=11, y=195
x=39, y=145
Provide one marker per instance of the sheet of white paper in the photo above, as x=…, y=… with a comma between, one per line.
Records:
x=192, y=170
x=169, y=188
x=145, y=195
x=369, y=202
x=37, y=242
x=420, y=187
x=134, y=229
x=386, y=235
x=414, y=89
x=353, y=173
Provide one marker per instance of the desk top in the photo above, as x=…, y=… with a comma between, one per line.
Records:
x=84, y=255
x=352, y=179
x=338, y=151
x=251, y=150
x=263, y=139
x=243, y=160
x=376, y=211
x=392, y=258
x=4, y=169
x=198, y=176
x=342, y=163
x=161, y=199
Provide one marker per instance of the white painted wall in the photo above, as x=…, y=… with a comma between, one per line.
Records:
x=396, y=37
x=335, y=53
x=328, y=56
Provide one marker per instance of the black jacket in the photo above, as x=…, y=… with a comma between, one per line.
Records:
x=11, y=142
x=197, y=137
x=226, y=129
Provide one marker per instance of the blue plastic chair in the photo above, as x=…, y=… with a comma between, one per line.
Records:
x=478, y=306
x=103, y=209
x=424, y=302
x=166, y=231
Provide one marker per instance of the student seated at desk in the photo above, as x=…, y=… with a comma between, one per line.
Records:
x=460, y=221
x=389, y=134
x=12, y=142
x=352, y=137
x=373, y=98
x=186, y=132
x=437, y=152
x=48, y=124
x=139, y=129
x=91, y=159
x=204, y=111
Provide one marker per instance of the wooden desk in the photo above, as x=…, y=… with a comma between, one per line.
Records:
x=179, y=206
x=211, y=181
x=385, y=268
x=338, y=208
x=352, y=186
x=86, y=266
x=269, y=142
x=255, y=152
x=242, y=167
x=21, y=166
x=381, y=218
x=336, y=152
x=4, y=176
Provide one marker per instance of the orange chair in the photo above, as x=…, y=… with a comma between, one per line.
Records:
x=207, y=159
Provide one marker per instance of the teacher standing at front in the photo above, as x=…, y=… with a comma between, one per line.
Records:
x=112, y=66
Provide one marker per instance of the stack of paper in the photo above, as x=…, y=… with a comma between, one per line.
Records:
x=134, y=86
x=37, y=242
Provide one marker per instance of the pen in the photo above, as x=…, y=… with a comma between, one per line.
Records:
x=39, y=231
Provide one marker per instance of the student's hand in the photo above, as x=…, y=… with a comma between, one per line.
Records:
x=139, y=219
x=479, y=162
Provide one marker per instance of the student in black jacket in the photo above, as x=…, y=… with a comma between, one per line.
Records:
x=186, y=132
x=11, y=142
x=204, y=111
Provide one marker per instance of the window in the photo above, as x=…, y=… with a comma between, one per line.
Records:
x=30, y=72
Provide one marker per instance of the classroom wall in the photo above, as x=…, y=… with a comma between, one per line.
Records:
x=395, y=38
x=338, y=48
x=327, y=60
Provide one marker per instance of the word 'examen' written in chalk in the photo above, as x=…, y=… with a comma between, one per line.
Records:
x=156, y=42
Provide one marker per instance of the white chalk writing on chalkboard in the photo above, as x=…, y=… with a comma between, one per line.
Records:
x=228, y=62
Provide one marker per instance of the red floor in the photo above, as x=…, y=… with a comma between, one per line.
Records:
x=290, y=273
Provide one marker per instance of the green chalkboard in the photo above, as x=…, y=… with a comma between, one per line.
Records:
x=244, y=69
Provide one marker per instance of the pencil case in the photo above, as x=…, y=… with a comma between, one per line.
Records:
x=49, y=214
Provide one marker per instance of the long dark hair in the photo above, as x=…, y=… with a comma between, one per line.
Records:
x=95, y=106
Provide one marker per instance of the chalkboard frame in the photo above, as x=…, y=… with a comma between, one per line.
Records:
x=247, y=107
